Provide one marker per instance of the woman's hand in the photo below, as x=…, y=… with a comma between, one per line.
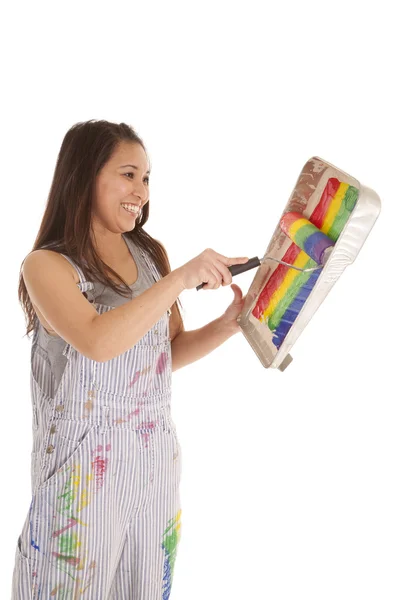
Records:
x=209, y=268
x=234, y=309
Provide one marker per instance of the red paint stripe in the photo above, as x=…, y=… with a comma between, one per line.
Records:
x=275, y=281
x=288, y=219
x=72, y=522
x=319, y=214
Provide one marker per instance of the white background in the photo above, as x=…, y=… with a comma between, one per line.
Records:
x=290, y=484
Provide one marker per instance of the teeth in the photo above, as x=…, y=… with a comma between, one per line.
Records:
x=131, y=208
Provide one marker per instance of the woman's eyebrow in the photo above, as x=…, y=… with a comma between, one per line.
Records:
x=133, y=166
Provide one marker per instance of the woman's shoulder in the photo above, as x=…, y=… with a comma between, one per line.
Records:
x=43, y=257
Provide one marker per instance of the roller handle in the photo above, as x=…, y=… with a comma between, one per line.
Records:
x=252, y=263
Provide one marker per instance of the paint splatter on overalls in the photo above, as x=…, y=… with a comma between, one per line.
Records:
x=104, y=520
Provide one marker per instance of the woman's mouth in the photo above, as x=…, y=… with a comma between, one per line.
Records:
x=131, y=212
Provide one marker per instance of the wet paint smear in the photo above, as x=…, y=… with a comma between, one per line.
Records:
x=128, y=418
x=33, y=543
x=72, y=522
x=138, y=374
x=148, y=425
x=35, y=546
x=169, y=545
x=161, y=363
x=71, y=560
x=89, y=405
x=56, y=589
x=99, y=466
x=68, y=543
x=67, y=498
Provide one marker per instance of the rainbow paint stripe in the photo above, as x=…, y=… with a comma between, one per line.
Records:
x=287, y=289
x=308, y=237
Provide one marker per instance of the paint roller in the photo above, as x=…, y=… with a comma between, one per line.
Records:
x=304, y=234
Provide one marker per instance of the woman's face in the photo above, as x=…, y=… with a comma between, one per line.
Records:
x=119, y=182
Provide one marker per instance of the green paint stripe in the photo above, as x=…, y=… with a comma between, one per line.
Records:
x=303, y=234
x=349, y=202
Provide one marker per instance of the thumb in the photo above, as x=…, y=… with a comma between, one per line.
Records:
x=236, y=290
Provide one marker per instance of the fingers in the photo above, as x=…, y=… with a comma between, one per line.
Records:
x=225, y=274
x=218, y=272
x=214, y=282
x=221, y=274
x=231, y=261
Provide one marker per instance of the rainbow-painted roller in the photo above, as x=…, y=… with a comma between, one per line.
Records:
x=306, y=236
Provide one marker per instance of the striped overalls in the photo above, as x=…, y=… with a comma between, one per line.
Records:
x=104, y=519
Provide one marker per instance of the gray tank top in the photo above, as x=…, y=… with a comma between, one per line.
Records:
x=54, y=345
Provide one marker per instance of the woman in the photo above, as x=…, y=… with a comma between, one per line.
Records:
x=104, y=519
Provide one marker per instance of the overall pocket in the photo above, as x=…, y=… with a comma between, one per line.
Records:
x=23, y=575
x=23, y=549
x=60, y=524
x=70, y=445
x=170, y=429
x=170, y=426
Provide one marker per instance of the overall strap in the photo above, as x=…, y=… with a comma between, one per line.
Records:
x=84, y=285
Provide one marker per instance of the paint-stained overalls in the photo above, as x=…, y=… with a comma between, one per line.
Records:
x=104, y=520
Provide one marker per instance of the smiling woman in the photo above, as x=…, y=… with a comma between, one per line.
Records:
x=102, y=302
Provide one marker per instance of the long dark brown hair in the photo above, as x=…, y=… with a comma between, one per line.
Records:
x=65, y=226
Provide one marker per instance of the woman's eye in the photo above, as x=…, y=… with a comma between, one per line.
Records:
x=146, y=178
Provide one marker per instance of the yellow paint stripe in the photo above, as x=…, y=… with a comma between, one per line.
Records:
x=334, y=207
x=277, y=296
x=293, y=229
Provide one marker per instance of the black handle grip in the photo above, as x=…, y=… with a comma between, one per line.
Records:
x=240, y=268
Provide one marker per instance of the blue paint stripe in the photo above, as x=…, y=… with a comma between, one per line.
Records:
x=293, y=310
